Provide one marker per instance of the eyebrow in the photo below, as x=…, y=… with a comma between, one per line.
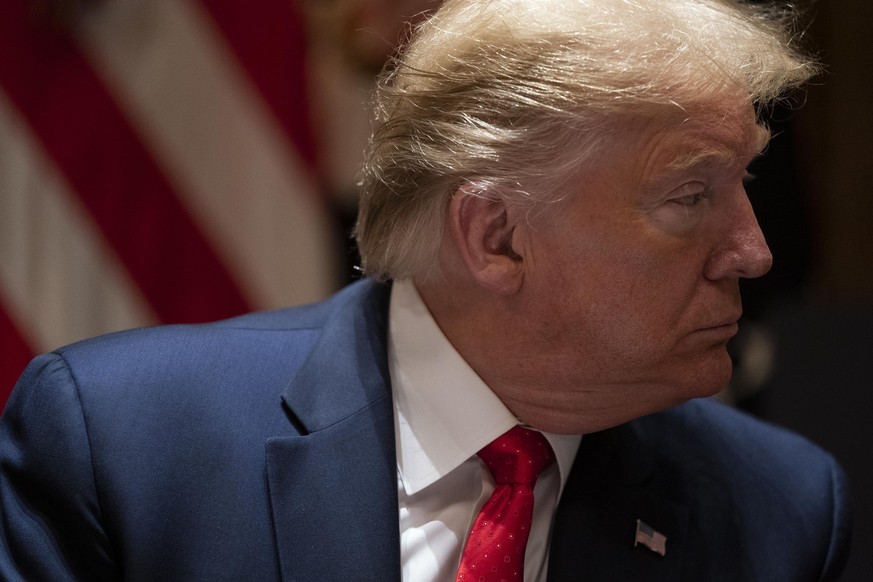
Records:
x=721, y=155
x=702, y=157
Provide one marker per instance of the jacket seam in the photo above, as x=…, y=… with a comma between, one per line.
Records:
x=88, y=440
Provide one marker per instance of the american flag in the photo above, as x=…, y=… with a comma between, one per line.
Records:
x=649, y=538
x=156, y=165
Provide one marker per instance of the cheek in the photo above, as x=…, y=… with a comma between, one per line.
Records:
x=628, y=306
x=619, y=289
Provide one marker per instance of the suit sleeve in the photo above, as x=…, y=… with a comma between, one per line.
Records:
x=838, y=551
x=51, y=526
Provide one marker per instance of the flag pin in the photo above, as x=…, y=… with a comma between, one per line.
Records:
x=648, y=537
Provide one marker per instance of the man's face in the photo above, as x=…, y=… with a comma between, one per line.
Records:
x=633, y=289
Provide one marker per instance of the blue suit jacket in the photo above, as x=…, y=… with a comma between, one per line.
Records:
x=262, y=448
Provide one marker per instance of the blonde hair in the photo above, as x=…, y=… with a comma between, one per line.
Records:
x=510, y=97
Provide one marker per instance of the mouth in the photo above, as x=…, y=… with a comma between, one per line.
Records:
x=722, y=330
x=729, y=321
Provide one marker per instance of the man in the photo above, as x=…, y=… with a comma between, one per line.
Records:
x=555, y=189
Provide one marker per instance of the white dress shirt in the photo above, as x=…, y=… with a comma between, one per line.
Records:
x=443, y=414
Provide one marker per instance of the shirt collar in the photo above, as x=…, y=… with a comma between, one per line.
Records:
x=444, y=412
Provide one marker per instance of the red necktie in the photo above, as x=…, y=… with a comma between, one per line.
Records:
x=495, y=548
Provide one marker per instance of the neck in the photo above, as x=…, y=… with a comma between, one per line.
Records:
x=537, y=385
x=479, y=328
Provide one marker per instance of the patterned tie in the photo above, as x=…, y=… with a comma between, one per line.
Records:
x=495, y=548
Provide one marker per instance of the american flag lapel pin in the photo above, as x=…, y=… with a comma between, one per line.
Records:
x=648, y=537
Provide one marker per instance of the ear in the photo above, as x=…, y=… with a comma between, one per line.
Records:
x=483, y=230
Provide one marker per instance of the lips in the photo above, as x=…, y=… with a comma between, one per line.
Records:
x=719, y=333
x=720, y=330
x=726, y=322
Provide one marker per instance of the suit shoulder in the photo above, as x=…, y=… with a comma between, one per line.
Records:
x=195, y=346
x=762, y=468
x=707, y=423
x=258, y=334
x=256, y=351
x=698, y=429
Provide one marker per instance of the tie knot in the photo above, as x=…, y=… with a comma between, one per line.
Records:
x=517, y=456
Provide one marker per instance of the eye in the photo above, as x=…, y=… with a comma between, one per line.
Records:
x=689, y=200
x=683, y=207
x=688, y=195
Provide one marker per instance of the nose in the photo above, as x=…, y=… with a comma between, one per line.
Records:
x=742, y=252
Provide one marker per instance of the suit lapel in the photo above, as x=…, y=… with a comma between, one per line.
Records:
x=333, y=490
x=334, y=501
x=614, y=482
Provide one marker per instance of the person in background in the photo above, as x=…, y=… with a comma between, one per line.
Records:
x=553, y=226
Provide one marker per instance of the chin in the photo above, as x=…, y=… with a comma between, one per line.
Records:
x=711, y=378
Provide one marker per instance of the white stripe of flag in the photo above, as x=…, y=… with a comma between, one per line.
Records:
x=60, y=278
x=211, y=133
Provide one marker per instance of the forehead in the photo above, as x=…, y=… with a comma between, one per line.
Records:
x=643, y=153
x=716, y=137
x=646, y=151
x=685, y=149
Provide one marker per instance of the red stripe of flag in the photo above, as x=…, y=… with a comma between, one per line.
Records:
x=14, y=357
x=270, y=43
x=87, y=135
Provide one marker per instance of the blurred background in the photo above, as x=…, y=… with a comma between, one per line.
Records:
x=188, y=160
